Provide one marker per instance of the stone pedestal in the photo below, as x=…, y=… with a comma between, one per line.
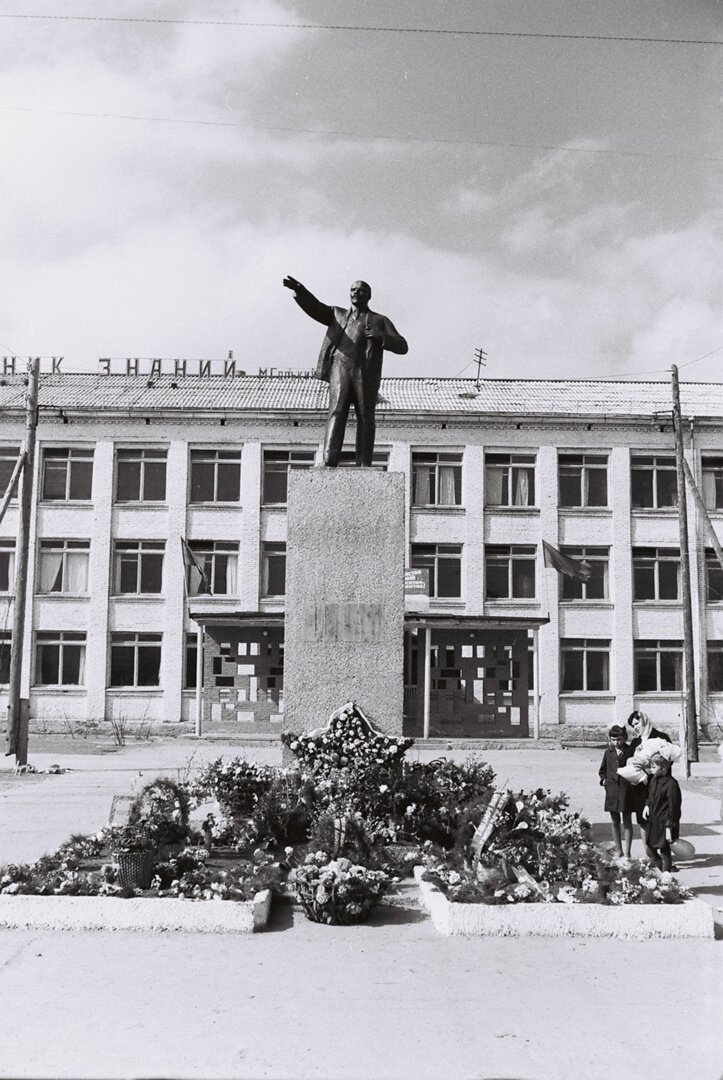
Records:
x=344, y=636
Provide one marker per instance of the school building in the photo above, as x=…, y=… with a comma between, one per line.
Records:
x=124, y=622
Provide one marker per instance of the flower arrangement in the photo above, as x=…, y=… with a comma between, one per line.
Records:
x=189, y=876
x=540, y=852
x=236, y=784
x=337, y=891
x=129, y=838
x=60, y=874
x=162, y=809
x=348, y=739
x=637, y=769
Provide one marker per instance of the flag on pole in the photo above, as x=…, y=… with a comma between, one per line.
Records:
x=577, y=568
x=190, y=560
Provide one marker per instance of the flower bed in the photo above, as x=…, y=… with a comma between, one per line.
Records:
x=135, y=913
x=691, y=918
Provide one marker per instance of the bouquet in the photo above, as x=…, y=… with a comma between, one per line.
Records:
x=637, y=769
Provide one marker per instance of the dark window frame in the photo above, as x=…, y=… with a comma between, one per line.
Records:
x=589, y=466
x=277, y=464
x=219, y=462
x=440, y=560
x=74, y=459
x=66, y=642
x=586, y=651
x=511, y=557
x=511, y=466
x=145, y=458
x=659, y=656
x=134, y=642
x=436, y=463
x=144, y=553
x=652, y=562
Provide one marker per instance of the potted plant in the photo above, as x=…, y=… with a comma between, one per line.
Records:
x=134, y=852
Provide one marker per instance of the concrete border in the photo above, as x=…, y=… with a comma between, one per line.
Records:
x=691, y=919
x=137, y=913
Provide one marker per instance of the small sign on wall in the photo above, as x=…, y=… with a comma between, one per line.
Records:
x=416, y=589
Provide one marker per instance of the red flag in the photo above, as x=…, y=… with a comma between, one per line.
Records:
x=577, y=568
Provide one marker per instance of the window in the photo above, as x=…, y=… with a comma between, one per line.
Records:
x=715, y=667
x=189, y=667
x=138, y=566
x=135, y=659
x=436, y=479
x=8, y=459
x=67, y=475
x=140, y=475
x=653, y=482
x=656, y=573
x=380, y=460
x=510, y=572
x=510, y=479
x=5, y=643
x=713, y=578
x=219, y=562
x=7, y=566
x=597, y=587
x=59, y=658
x=64, y=566
x=274, y=570
x=444, y=562
x=713, y=482
x=585, y=665
x=215, y=476
x=583, y=479
x=658, y=666
x=277, y=466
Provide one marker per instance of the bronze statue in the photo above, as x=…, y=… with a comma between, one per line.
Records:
x=351, y=362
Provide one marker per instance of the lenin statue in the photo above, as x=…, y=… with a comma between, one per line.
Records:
x=351, y=362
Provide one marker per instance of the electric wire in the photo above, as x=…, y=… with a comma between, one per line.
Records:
x=366, y=136
x=445, y=31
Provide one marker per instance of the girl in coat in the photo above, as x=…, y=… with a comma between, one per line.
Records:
x=618, y=792
x=661, y=813
x=642, y=728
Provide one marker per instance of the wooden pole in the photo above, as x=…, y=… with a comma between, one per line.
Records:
x=688, y=677
x=15, y=742
x=536, y=681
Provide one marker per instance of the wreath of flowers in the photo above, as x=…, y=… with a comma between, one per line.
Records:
x=348, y=740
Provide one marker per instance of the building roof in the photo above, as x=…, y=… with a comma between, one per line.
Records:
x=249, y=393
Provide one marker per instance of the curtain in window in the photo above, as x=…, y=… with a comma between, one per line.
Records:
x=422, y=485
x=10, y=566
x=446, y=485
x=51, y=572
x=81, y=665
x=76, y=570
x=231, y=574
x=709, y=489
x=522, y=487
x=493, y=480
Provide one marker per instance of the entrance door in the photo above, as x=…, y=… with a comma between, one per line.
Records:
x=480, y=683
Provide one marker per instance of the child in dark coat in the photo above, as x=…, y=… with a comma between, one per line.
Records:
x=618, y=791
x=661, y=813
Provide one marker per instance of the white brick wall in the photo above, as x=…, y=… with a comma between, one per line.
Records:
x=473, y=526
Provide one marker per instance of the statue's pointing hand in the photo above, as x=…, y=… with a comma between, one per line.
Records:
x=292, y=283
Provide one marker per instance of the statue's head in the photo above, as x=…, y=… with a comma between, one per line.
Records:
x=360, y=293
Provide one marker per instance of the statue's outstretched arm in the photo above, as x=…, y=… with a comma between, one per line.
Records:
x=323, y=313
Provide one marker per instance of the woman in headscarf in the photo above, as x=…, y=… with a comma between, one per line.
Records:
x=642, y=728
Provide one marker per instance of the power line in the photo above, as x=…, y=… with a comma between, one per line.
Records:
x=698, y=358
x=367, y=29
x=343, y=134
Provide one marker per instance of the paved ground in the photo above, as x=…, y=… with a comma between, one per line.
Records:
x=390, y=999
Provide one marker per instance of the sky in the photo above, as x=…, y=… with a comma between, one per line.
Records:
x=553, y=200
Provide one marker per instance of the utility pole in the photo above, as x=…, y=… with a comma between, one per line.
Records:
x=17, y=732
x=690, y=721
